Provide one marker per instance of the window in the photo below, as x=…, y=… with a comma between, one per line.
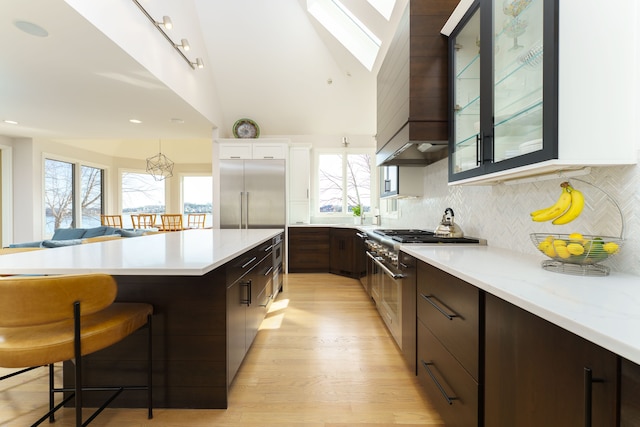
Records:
x=344, y=181
x=61, y=201
x=141, y=193
x=347, y=29
x=197, y=196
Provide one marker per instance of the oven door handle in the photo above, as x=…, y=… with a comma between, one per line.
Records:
x=384, y=267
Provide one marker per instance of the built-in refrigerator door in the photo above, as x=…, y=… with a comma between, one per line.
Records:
x=264, y=184
x=231, y=193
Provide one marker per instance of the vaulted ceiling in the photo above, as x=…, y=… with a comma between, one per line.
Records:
x=270, y=61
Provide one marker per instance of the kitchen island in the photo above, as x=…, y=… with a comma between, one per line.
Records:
x=185, y=276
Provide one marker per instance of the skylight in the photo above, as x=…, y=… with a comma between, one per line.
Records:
x=348, y=29
x=384, y=7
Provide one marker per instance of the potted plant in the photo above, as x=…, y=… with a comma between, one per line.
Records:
x=357, y=214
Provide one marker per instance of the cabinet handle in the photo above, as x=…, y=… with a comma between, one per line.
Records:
x=588, y=395
x=478, y=149
x=428, y=298
x=247, y=300
x=269, y=271
x=448, y=398
x=269, y=248
x=268, y=157
x=249, y=262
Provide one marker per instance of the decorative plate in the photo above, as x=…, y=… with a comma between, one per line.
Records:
x=246, y=128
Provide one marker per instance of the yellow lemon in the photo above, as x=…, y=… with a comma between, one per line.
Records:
x=575, y=237
x=559, y=242
x=611, y=247
x=575, y=248
x=562, y=252
x=549, y=251
x=548, y=239
x=544, y=245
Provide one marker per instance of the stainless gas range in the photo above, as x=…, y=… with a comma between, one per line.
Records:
x=391, y=279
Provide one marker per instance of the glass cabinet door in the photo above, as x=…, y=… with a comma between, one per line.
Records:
x=518, y=28
x=465, y=153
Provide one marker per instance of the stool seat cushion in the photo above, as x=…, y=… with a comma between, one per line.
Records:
x=34, y=345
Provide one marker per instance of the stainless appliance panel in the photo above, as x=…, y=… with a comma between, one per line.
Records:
x=231, y=193
x=252, y=193
x=265, y=195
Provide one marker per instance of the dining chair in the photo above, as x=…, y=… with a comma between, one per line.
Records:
x=196, y=220
x=111, y=220
x=171, y=222
x=64, y=318
x=143, y=220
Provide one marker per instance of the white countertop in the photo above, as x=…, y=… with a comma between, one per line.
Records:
x=186, y=253
x=603, y=310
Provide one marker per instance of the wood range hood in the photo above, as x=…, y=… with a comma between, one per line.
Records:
x=413, y=89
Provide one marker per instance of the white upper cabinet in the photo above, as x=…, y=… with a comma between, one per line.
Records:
x=252, y=149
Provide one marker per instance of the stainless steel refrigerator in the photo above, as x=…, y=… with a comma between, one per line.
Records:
x=252, y=194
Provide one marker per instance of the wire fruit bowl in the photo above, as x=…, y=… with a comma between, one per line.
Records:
x=576, y=253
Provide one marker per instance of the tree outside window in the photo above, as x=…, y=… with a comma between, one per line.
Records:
x=344, y=181
x=60, y=200
x=141, y=193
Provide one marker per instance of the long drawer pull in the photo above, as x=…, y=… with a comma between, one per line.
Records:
x=448, y=398
x=249, y=262
x=428, y=298
x=269, y=271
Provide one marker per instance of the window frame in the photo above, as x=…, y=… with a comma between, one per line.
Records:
x=77, y=164
x=315, y=199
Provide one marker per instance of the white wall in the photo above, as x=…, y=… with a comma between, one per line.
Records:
x=500, y=213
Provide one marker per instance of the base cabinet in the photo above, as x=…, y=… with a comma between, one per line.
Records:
x=308, y=249
x=449, y=330
x=346, y=253
x=249, y=290
x=538, y=374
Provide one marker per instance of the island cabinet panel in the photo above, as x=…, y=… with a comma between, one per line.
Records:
x=450, y=337
x=199, y=337
x=189, y=345
x=536, y=373
x=309, y=249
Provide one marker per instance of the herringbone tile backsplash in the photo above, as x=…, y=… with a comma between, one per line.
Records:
x=500, y=213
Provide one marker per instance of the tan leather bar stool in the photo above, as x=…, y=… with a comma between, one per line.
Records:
x=50, y=319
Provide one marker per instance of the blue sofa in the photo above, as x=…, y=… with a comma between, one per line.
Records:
x=75, y=236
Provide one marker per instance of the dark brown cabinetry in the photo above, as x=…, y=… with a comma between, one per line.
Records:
x=412, y=86
x=538, y=374
x=450, y=313
x=309, y=249
x=347, y=250
x=326, y=249
x=249, y=289
x=630, y=390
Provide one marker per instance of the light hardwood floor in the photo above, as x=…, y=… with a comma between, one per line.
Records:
x=322, y=358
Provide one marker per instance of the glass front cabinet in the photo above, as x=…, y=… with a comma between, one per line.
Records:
x=503, y=87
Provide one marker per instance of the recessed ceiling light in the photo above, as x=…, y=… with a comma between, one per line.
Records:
x=10, y=122
x=136, y=121
x=31, y=28
x=175, y=120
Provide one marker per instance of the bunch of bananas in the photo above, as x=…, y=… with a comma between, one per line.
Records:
x=567, y=208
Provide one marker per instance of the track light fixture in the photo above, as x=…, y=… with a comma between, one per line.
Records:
x=166, y=23
x=198, y=63
x=184, y=44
